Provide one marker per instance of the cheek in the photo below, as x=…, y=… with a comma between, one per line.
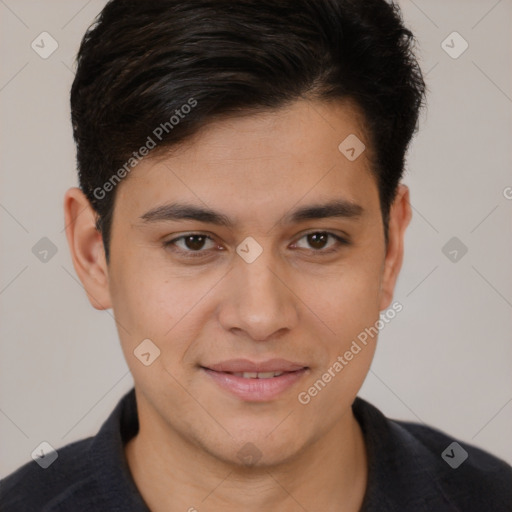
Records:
x=157, y=312
x=144, y=305
x=349, y=306
x=347, y=300
x=166, y=308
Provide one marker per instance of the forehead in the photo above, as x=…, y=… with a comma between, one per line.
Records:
x=256, y=163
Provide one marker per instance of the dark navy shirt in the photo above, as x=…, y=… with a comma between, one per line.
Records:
x=411, y=468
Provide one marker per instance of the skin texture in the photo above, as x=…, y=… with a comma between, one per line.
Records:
x=295, y=301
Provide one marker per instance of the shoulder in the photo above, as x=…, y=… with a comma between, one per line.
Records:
x=414, y=466
x=473, y=478
x=31, y=487
x=90, y=474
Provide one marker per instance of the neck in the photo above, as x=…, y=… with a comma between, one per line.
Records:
x=174, y=475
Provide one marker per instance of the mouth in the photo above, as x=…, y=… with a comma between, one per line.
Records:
x=256, y=375
x=256, y=382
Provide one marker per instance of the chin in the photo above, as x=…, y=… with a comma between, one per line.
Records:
x=258, y=450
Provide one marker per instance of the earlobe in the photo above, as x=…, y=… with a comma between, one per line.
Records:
x=86, y=248
x=399, y=218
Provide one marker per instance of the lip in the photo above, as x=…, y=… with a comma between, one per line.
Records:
x=245, y=365
x=256, y=390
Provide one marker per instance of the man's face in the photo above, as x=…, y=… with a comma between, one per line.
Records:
x=215, y=308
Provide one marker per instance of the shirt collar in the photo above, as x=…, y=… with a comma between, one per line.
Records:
x=114, y=480
x=402, y=473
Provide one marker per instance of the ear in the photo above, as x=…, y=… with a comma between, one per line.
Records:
x=86, y=247
x=399, y=217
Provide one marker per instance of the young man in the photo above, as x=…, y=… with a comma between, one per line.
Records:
x=240, y=210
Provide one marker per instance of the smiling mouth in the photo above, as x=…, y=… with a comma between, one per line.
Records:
x=256, y=386
x=256, y=375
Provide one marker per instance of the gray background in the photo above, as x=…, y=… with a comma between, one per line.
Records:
x=445, y=360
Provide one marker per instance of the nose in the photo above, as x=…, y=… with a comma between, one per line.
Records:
x=259, y=301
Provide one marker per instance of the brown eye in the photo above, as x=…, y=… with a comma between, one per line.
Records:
x=318, y=241
x=194, y=242
x=191, y=245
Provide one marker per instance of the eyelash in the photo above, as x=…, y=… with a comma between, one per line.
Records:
x=201, y=253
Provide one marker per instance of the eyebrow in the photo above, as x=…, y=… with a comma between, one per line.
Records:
x=340, y=208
